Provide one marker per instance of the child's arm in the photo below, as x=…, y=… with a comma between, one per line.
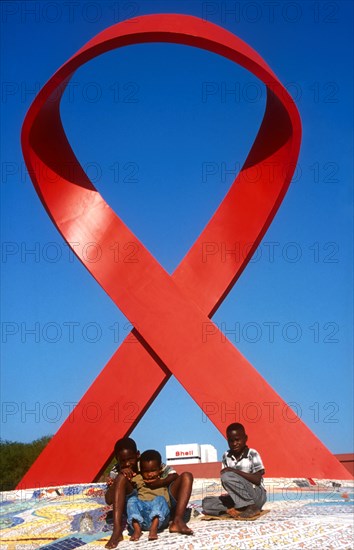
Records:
x=128, y=473
x=167, y=476
x=161, y=481
x=114, y=473
x=109, y=491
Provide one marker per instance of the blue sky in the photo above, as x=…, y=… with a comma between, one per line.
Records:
x=161, y=130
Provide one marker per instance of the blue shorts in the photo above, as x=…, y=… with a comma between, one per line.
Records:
x=144, y=511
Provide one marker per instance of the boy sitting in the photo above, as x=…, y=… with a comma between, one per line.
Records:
x=121, y=488
x=241, y=476
x=148, y=508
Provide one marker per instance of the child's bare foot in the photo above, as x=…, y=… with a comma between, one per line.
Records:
x=153, y=529
x=179, y=526
x=114, y=540
x=137, y=531
x=135, y=536
x=250, y=512
x=233, y=512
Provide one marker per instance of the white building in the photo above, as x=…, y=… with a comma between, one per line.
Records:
x=208, y=453
x=190, y=453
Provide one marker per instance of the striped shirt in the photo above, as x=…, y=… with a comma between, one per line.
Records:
x=249, y=462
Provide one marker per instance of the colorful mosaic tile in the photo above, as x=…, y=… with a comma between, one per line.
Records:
x=317, y=518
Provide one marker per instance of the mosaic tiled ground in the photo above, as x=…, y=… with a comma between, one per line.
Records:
x=312, y=518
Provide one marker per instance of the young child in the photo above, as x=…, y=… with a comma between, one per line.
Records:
x=121, y=488
x=148, y=508
x=241, y=476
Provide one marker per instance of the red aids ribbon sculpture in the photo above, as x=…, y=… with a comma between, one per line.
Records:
x=170, y=312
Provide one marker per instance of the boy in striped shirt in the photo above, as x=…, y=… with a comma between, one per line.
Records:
x=242, y=478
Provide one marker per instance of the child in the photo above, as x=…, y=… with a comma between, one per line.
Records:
x=179, y=487
x=148, y=508
x=241, y=476
x=119, y=484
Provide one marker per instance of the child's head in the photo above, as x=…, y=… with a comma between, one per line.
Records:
x=126, y=453
x=236, y=437
x=150, y=464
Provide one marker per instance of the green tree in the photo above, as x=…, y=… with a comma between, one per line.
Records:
x=16, y=458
